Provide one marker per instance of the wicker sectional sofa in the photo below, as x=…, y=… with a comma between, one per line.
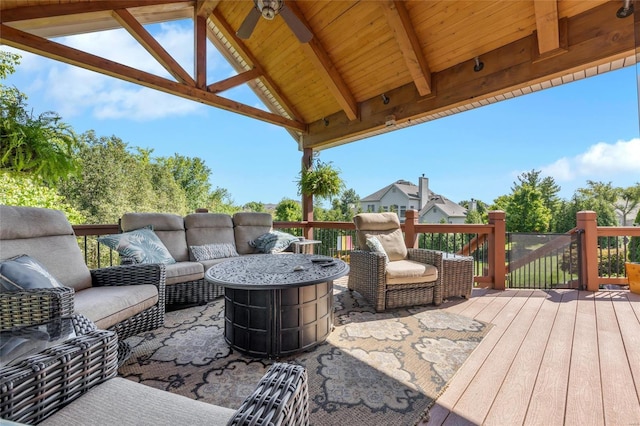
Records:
x=185, y=281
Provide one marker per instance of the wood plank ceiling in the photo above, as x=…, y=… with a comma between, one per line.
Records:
x=371, y=66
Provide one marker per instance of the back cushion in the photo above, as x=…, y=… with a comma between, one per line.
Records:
x=247, y=227
x=386, y=228
x=208, y=228
x=168, y=227
x=47, y=236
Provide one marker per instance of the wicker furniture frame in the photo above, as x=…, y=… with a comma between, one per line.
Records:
x=457, y=275
x=36, y=306
x=368, y=277
x=41, y=384
x=146, y=273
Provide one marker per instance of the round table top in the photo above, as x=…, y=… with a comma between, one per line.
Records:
x=273, y=271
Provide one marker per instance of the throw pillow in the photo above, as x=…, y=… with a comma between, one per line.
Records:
x=213, y=251
x=273, y=242
x=375, y=245
x=23, y=273
x=143, y=245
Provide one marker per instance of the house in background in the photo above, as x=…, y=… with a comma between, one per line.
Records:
x=402, y=195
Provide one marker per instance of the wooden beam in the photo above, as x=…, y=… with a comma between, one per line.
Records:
x=65, y=9
x=234, y=81
x=34, y=44
x=147, y=41
x=200, y=51
x=547, y=25
x=400, y=23
x=596, y=36
x=238, y=45
x=204, y=8
x=327, y=70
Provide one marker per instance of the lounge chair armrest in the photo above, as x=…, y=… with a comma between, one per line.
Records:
x=281, y=398
x=141, y=273
x=42, y=383
x=35, y=306
x=370, y=261
x=432, y=257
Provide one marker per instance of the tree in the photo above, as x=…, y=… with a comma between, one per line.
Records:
x=526, y=211
x=254, y=206
x=116, y=180
x=17, y=189
x=39, y=145
x=629, y=198
x=220, y=201
x=288, y=210
x=634, y=245
x=349, y=204
x=193, y=176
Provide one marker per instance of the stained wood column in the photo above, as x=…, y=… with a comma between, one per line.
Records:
x=307, y=200
x=497, y=255
x=587, y=222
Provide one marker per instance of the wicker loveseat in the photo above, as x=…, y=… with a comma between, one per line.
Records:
x=185, y=281
x=74, y=383
x=127, y=299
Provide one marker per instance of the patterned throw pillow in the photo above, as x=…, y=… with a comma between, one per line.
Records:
x=213, y=251
x=143, y=245
x=375, y=245
x=24, y=272
x=273, y=242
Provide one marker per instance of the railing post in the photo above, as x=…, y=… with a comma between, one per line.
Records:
x=587, y=221
x=497, y=254
x=410, y=234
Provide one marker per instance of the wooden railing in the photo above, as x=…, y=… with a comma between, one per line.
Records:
x=486, y=243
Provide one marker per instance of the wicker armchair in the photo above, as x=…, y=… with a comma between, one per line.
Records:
x=393, y=276
x=74, y=383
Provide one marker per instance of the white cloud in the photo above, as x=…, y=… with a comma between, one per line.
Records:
x=72, y=90
x=619, y=161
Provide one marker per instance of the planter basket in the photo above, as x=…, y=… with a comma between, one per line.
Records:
x=633, y=275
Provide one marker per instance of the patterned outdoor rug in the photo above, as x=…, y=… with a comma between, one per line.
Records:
x=374, y=369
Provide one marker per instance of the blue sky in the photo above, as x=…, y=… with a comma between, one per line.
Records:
x=585, y=130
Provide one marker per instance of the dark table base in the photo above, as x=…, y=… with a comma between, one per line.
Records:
x=276, y=323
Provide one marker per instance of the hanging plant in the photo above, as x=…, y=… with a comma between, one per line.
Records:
x=322, y=181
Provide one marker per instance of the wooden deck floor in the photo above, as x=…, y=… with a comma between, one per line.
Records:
x=560, y=357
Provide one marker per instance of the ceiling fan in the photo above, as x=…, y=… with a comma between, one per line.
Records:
x=268, y=9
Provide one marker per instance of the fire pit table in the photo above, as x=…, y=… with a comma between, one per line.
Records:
x=277, y=304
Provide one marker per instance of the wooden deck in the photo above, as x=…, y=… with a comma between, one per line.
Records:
x=551, y=358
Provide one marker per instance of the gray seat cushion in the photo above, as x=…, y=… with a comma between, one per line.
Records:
x=123, y=402
x=107, y=306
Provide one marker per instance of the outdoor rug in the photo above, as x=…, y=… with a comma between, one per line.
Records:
x=374, y=369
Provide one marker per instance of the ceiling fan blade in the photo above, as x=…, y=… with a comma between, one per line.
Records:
x=296, y=25
x=249, y=24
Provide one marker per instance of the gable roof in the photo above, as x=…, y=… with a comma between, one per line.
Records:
x=406, y=187
x=448, y=207
x=371, y=67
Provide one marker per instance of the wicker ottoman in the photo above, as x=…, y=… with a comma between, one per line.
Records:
x=457, y=275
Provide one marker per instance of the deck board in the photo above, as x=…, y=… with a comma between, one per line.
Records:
x=551, y=358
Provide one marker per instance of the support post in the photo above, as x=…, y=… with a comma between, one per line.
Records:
x=307, y=200
x=497, y=253
x=410, y=234
x=587, y=221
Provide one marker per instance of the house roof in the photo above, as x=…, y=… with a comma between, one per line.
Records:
x=371, y=66
x=448, y=207
x=408, y=188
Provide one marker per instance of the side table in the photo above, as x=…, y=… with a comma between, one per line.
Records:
x=457, y=275
x=304, y=246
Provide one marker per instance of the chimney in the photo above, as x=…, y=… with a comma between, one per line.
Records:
x=423, y=191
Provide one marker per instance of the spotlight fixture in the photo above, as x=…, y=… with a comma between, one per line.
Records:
x=625, y=10
x=385, y=99
x=479, y=65
x=325, y=121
